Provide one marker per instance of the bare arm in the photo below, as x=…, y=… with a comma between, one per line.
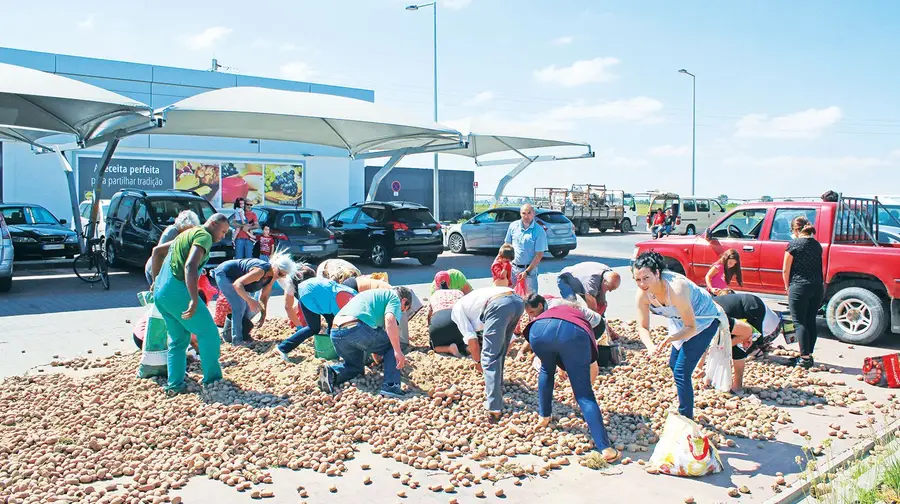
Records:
x=192, y=278
x=534, y=262
x=157, y=257
x=264, y=302
x=289, y=302
x=786, y=270
x=713, y=270
x=643, y=321
x=252, y=276
x=392, y=327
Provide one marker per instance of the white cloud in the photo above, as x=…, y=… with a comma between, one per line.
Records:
x=608, y=157
x=639, y=109
x=566, y=40
x=207, y=38
x=481, y=98
x=88, y=22
x=289, y=47
x=456, y=4
x=805, y=124
x=297, y=70
x=581, y=72
x=670, y=151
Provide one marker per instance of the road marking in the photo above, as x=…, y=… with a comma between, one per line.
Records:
x=70, y=275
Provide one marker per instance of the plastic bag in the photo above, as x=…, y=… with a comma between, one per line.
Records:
x=223, y=309
x=521, y=290
x=154, y=353
x=718, y=361
x=683, y=450
x=882, y=371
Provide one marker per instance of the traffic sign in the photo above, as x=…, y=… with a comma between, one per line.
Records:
x=395, y=186
x=475, y=184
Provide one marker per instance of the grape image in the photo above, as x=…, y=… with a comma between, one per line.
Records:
x=228, y=170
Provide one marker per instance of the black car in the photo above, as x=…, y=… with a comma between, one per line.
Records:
x=38, y=234
x=300, y=230
x=379, y=231
x=137, y=218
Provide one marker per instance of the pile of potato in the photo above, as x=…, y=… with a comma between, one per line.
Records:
x=63, y=437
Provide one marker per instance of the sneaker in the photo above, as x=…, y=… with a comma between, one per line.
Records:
x=805, y=363
x=326, y=379
x=284, y=355
x=392, y=391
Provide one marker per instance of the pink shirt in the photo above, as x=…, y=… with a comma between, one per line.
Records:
x=718, y=278
x=444, y=299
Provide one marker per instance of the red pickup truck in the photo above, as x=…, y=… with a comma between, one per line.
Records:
x=862, y=274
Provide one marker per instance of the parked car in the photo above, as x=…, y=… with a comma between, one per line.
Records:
x=487, y=231
x=301, y=231
x=6, y=256
x=862, y=278
x=137, y=218
x=379, y=231
x=692, y=214
x=84, y=208
x=38, y=234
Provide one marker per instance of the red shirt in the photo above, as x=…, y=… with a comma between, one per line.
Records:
x=502, y=270
x=251, y=219
x=266, y=245
x=659, y=219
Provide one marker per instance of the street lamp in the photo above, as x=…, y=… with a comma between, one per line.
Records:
x=437, y=210
x=694, y=134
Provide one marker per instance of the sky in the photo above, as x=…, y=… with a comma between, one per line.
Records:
x=792, y=98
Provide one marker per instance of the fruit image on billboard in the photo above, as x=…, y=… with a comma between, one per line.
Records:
x=242, y=180
x=284, y=184
x=201, y=177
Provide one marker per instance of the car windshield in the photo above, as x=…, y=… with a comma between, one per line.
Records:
x=40, y=215
x=413, y=216
x=889, y=215
x=165, y=211
x=553, y=218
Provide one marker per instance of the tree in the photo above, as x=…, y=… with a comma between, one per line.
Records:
x=766, y=199
x=723, y=199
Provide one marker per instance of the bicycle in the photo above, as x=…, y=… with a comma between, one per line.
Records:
x=91, y=267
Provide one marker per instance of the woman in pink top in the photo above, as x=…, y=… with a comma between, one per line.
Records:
x=721, y=272
x=442, y=331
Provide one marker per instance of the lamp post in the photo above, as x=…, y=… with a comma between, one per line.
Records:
x=437, y=181
x=694, y=128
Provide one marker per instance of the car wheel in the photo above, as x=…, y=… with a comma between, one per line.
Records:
x=456, y=243
x=559, y=254
x=379, y=255
x=111, y=256
x=691, y=230
x=5, y=284
x=584, y=228
x=626, y=227
x=856, y=315
x=427, y=260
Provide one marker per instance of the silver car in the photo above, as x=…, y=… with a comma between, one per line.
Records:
x=487, y=231
x=6, y=257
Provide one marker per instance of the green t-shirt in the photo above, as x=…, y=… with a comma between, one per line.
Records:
x=371, y=306
x=181, y=249
x=457, y=280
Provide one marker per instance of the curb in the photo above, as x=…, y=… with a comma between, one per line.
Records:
x=798, y=494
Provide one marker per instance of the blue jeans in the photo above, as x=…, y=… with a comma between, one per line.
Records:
x=553, y=339
x=313, y=326
x=239, y=307
x=243, y=248
x=683, y=361
x=531, y=279
x=353, y=343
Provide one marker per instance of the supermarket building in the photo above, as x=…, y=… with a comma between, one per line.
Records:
x=327, y=179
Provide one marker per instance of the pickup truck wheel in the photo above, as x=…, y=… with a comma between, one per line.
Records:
x=456, y=243
x=625, y=227
x=584, y=228
x=856, y=315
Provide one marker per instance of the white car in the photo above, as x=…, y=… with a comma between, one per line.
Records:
x=85, y=210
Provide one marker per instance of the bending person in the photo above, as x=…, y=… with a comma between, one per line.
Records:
x=535, y=305
x=318, y=297
x=237, y=279
x=561, y=336
x=443, y=333
x=719, y=276
x=451, y=279
x=496, y=311
x=176, y=274
x=693, y=320
x=184, y=221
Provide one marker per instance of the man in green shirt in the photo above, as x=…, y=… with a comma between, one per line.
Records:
x=176, y=269
x=369, y=323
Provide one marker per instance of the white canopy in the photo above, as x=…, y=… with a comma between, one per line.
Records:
x=272, y=114
x=35, y=104
x=484, y=144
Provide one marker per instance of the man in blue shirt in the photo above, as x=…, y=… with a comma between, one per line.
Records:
x=318, y=297
x=529, y=240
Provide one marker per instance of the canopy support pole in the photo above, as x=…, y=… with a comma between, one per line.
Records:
x=98, y=185
x=380, y=174
x=73, y=197
x=520, y=167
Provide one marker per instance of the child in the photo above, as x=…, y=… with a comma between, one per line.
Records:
x=719, y=276
x=501, y=270
x=266, y=244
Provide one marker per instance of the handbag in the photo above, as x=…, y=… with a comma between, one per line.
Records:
x=683, y=450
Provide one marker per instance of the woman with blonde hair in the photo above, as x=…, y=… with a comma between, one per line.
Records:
x=719, y=276
x=238, y=279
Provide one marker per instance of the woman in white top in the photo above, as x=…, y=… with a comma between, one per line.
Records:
x=693, y=320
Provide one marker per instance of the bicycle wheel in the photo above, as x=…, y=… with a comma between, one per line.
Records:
x=86, y=269
x=103, y=269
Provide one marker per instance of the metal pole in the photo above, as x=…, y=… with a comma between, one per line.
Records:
x=98, y=185
x=437, y=177
x=73, y=198
x=694, y=137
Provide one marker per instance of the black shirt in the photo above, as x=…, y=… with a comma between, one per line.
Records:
x=745, y=306
x=807, y=266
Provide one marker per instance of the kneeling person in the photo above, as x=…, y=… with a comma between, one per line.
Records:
x=369, y=323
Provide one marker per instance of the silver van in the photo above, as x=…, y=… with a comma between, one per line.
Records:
x=693, y=214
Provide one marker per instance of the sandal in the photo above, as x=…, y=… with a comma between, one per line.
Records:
x=494, y=418
x=614, y=459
